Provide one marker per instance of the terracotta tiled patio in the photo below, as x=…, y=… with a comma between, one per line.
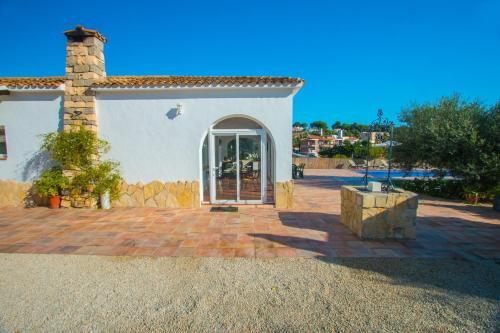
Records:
x=445, y=229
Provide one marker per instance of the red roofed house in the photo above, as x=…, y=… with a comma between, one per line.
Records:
x=313, y=144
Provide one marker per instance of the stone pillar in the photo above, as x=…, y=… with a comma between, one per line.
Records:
x=84, y=65
x=283, y=197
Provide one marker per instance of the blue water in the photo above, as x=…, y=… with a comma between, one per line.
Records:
x=382, y=174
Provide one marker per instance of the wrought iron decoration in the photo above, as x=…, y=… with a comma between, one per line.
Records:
x=381, y=125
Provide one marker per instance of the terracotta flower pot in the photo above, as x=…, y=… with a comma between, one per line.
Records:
x=55, y=202
x=472, y=198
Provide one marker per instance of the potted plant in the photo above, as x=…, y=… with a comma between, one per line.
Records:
x=50, y=185
x=107, y=183
x=104, y=180
x=471, y=196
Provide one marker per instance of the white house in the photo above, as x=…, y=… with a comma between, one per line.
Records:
x=181, y=140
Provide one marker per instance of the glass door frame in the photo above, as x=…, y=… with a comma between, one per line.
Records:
x=213, y=168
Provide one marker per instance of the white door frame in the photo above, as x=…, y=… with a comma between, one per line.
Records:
x=213, y=168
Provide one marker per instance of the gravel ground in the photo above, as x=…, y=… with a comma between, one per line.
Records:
x=64, y=293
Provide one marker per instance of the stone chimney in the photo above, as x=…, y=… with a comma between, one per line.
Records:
x=84, y=65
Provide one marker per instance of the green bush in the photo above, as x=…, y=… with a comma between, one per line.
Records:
x=101, y=177
x=76, y=149
x=437, y=187
x=51, y=183
x=80, y=150
x=356, y=150
x=376, y=152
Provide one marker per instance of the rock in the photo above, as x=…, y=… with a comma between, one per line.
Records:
x=150, y=203
x=151, y=189
x=158, y=194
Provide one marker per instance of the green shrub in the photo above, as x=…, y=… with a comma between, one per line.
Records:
x=51, y=183
x=101, y=177
x=76, y=149
x=356, y=150
x=376, y=152
x=80, y=150
x=437, y=187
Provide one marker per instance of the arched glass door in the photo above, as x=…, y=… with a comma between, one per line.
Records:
x=237, y=166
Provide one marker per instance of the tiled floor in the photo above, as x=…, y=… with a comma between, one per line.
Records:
x=312, y=229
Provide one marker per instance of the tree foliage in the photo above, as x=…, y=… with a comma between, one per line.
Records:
x=350, y=129
x=452, y=134
x=356, y=150
x=75, y=149
x=299, y=124
x=296, y=142
x=319, y=124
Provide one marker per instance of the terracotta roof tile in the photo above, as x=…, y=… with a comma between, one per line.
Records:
x=117, y=81
x=313, y=137
x=317, y=137
x=124, y=81
x=32, y=82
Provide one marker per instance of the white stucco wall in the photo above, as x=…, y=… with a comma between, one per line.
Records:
x=151, y=145
x=27, y=115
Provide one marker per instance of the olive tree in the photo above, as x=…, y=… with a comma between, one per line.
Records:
x=452, y=134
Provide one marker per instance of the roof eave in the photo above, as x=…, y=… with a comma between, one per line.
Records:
x=104, y=88
x=59, y=88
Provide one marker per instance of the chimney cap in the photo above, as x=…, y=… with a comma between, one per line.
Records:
x=80, y=32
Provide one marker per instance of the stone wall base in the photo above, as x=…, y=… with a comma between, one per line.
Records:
x=379, y=215
x=81, y=201
x=14, y=194
x=159, y=194
x=284, y=195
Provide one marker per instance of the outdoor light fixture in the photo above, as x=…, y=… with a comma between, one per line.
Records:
x=178, y=109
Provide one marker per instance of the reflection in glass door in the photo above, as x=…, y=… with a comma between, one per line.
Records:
x=250, y=167
x=238, y=166
x=225, y=168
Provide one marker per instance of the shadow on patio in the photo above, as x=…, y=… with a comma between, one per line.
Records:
x=481, y=211
x=328, y=182
x=441, y=246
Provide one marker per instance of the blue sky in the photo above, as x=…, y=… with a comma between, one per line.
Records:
x=356, y=56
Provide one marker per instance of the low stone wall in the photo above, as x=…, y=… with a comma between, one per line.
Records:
x=284, y=195
x=84, y=200
x=14, y=194
x=159, y=194
x=378, y=215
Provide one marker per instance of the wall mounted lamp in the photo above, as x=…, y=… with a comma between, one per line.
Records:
x=178, y=109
